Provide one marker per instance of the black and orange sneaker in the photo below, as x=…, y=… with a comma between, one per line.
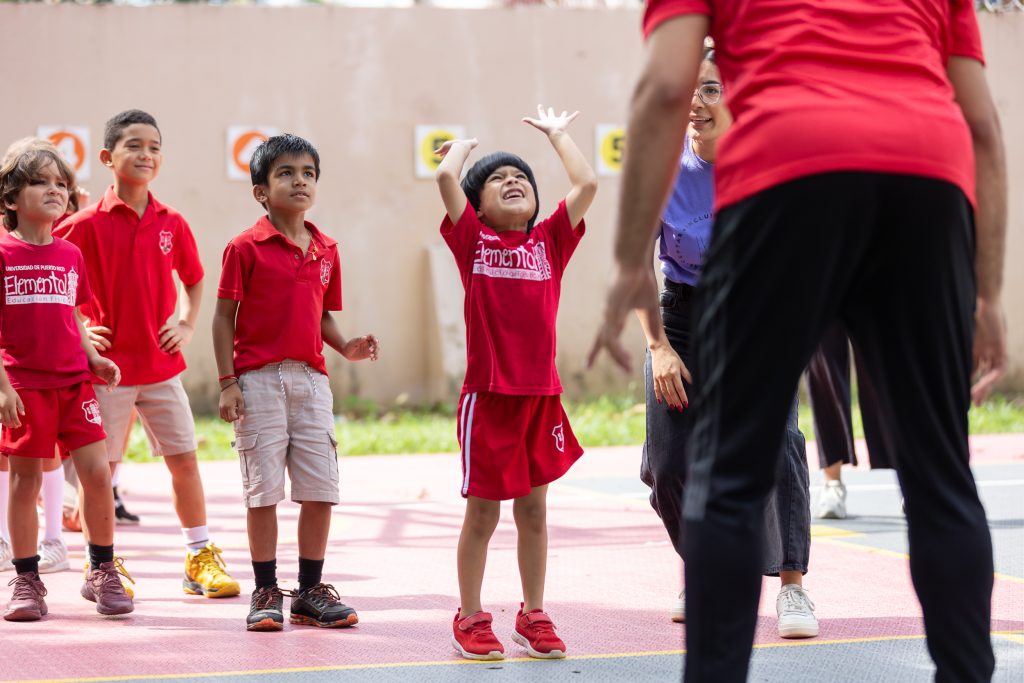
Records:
x=536, y=632
x=266, y=610
x=321, y=606
x=473, y=638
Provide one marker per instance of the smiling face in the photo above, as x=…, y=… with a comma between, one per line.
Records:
x=507, y=200
x=137, y=155
x=291, y=184
x=708, y=121
x=44, y=199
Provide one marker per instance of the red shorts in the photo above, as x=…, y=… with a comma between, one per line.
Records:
x=69, y=416
x=511, y=444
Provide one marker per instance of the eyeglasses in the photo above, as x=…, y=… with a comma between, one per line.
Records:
x=709, y=93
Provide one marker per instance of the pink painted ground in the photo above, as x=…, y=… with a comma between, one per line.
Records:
x=392, y=557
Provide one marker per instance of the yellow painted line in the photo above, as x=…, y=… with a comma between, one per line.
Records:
x=1012, y=635
x=824, y=531
x=901, y=556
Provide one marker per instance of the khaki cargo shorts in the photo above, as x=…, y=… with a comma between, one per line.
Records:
x=288, y=423
x=164, y=410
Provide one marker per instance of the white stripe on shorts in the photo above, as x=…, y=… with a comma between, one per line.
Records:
x=466, y=423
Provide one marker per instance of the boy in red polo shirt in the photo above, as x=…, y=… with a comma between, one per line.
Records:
x=514, y=434
x=281, y=279
x=132, y=243
x=46, y=396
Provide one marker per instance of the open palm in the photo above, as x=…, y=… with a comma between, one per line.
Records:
x=550, y=123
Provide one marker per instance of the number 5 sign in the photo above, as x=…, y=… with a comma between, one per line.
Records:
x=242, y=142
x=610, y=143
x=73, y=144
x=428, y=138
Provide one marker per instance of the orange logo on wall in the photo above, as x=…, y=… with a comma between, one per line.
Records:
x=242, y=142
x=73, y=144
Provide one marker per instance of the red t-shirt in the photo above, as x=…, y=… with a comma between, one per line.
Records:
x=282, y=295
x=130, y=262
x=817, y=87
x=42, y=346
x=513, y=283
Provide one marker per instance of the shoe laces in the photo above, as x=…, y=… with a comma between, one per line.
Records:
x=209, y=560
x=796, y=599
x=109, y=576
x=27, y=587
x=539, y=623
x=265, y=597
x=321, y=595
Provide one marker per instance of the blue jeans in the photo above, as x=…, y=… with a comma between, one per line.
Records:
x=787, y=513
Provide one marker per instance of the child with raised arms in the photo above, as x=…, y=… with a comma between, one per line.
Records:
x=513, y=431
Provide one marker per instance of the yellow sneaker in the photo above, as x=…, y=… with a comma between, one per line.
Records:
x=205, y=574
x=126, y=578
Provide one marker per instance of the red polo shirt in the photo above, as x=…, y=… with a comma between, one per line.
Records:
x=817, y=87
x=130, y=261
x=282, y=295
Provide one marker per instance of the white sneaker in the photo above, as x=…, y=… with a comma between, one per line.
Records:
x=6, y=555
x=832, y=503
x=53, y=556
x=796, y=613
x=679, y=608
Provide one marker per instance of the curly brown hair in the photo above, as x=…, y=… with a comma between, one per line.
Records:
x=22, y=163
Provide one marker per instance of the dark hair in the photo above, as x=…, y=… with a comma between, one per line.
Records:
x=275, y=147
x=22, y=164
x=114, y=129
x=482, y=170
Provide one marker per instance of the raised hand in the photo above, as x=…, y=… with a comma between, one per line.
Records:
x=443, y=150
x=550, y=123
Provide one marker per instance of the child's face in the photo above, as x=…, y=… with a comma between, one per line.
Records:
x=45, y=198
x=136, y=156
x=507, y=199
x=291, y=184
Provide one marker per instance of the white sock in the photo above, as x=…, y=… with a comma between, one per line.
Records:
x=53, y=502
x=196, y=537
x=5, y=492
x=115, y=475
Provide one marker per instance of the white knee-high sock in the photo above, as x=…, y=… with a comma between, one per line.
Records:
x=53, y=502
x=5, y=494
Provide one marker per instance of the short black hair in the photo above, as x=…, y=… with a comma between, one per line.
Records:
x=275, y=147
x=482, y=170
x=114, y=129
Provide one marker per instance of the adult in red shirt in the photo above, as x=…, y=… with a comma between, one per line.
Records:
x=845, y=190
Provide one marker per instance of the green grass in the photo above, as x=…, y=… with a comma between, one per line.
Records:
x=364, y=428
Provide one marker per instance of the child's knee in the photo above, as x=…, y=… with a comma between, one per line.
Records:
x=530, y=514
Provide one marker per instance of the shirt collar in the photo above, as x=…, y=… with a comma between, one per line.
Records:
x=264, y=231
x=110, y=201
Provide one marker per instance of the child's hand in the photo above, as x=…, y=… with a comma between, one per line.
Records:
x=173, y=337
x=550, y=124
x=446, y=147
x=106, y=370
x=99, y=337
x=361, y=348
x=11, y=407
x=232, y=404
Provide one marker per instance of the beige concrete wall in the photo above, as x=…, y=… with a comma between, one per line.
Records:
x=356, y=82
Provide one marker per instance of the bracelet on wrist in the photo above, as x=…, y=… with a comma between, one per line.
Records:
x=231, y=383
x=229, y=376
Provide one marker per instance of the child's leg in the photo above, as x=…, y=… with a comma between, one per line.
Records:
x=530, y=514
x=261, y=523
x=26, y=480
x=53, y=497
x=5, y=492
x=96, y=497
x=187, y=489
x=477, y=528
x=314, y=527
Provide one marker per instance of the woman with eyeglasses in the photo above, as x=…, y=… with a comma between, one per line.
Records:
x=686, y=225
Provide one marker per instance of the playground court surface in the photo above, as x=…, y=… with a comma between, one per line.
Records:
x=612, y=577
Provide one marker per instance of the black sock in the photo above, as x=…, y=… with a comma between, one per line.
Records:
x=27, y=565
x=310, y=573
x=266, y=573
x=98, y=554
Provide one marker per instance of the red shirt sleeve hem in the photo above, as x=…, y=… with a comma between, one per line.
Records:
x=660, y=11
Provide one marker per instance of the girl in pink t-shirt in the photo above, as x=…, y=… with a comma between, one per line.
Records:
x=46, y=396
x=514, y=434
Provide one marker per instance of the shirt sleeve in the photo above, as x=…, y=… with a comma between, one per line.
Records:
x=462, y=237
x=964, y=34
x=561, y=236
x=186, y=256
x=332, y=297
x=84, y=293
x=232, y=275
x=658, y=12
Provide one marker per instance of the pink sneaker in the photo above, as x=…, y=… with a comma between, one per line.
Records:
x=474, y=639
x=27, y=602
x=103, y=586
x=536, y=632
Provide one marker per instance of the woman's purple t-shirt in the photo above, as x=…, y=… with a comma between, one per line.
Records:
x=686, y=224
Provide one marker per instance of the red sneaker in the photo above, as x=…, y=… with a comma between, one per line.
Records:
x=474, y=639
x=536, y=632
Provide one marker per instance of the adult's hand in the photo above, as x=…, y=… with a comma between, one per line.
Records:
x=632, y=288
